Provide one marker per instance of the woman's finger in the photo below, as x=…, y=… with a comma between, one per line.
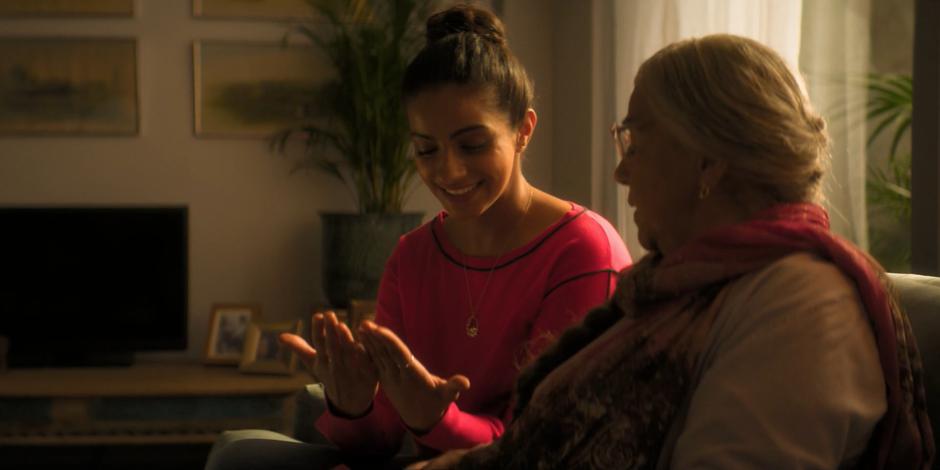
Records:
x=369, y=347
x=298, y=345
x=353, y=352
x=380, y=358
x=302, y=348
x=394, y=347
x=332, y=347
x=344, y=347
x=317, y=335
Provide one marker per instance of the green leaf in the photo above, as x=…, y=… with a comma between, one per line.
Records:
x=359, y=113
x=901, y=129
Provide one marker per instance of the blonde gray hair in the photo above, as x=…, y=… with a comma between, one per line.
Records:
x=735, y=99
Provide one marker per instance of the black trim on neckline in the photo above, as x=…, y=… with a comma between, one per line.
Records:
x=579, y=276
x=450, y=258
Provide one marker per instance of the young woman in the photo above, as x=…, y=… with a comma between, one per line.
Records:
x=471, y=296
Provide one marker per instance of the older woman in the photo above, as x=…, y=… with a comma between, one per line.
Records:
x=749, y=336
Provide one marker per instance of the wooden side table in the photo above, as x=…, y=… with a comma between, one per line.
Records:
x=142, y=404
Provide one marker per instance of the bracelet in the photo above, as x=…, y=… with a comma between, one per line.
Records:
x=336, y=412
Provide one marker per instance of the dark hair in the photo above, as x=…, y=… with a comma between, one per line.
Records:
x=467, y=46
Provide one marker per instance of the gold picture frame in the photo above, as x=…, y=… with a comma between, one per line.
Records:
x=264, y=353
x=271, y=10
x=55, y=85
x=253, y=89
x=228, y=325
x=65, y=8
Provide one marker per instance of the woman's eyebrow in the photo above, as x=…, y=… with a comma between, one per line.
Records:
x=453, y=135
x=472, y=128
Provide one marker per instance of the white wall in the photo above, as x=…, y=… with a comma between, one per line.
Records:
x=254, y=230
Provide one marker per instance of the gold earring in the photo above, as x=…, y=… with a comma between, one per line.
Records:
x=703, y=191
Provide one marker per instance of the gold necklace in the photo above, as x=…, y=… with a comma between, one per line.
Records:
x=472, y=325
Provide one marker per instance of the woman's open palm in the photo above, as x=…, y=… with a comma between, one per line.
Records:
x=339, y=362
x=420, y=397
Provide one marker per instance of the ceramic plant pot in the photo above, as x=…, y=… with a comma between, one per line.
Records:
x=355, y=249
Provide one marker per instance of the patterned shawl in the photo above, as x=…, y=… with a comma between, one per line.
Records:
x=670, y=304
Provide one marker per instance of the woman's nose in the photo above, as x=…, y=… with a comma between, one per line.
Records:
x=450, y=166
x=622, y=173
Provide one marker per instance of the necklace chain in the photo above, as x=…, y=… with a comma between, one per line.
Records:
x=472, y=325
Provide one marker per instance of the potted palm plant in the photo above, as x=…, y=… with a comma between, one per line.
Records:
x=889, y=108
x=357, y=132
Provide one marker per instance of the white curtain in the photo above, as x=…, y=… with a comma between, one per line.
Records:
x=835, y=61
x=641, y=27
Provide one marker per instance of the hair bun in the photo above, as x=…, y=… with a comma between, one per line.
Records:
x=465, y=19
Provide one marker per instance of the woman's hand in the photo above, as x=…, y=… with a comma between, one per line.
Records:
x=420, y=397
x=339, y=362
x=445, y=461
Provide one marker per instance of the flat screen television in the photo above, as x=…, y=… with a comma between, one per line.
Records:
x=92, y=285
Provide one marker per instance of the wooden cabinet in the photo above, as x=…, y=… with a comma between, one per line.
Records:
x=142, y=404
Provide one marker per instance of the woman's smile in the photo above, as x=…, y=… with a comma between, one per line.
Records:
x=460, y=191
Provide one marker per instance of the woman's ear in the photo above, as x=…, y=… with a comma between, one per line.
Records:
x=713, y=170
x=526, y=129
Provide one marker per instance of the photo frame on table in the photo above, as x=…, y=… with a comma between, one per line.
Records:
x=55, y=85
x=270, y=10
x=264, y=353
x=66, y=8
x=254, y=89
x=228, y=326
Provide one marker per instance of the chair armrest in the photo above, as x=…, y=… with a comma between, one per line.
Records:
x=310, y=404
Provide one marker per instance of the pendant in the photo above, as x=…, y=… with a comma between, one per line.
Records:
x=472, y=327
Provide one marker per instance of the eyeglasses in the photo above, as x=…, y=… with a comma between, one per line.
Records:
x=621, y=136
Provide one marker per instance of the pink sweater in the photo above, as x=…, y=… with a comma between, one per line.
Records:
x=536, y=291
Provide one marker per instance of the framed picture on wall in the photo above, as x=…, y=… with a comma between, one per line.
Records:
x=252, y=90
x=228, y=325
x=55, y=86
x=51, y=8
x=253, y=9
x=264, y=353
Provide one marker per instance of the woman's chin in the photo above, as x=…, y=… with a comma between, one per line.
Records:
x=462, y=206
x=646, y=241
x=460, y=211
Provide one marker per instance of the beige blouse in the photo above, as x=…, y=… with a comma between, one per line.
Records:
x=789, y=378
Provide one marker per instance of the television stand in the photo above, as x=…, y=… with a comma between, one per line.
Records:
x=147, y=403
